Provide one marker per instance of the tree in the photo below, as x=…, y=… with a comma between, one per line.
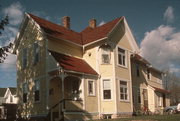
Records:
x=172, y=83
x=4, y=50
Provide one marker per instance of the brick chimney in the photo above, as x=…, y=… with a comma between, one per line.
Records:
x=66, y=22
x=92, y=23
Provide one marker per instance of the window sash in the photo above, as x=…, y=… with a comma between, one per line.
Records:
x=121, y=57
x=105, y=55
x=124, y=90
x=106, y=89
x=91, y=88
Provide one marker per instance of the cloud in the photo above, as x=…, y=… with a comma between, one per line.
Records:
x=161, y=47
x=101, y=23
x=15, y=13
x=42, y=14
x=169, y=14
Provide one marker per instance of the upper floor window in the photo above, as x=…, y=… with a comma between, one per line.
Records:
x=148, y=74
x=11, y=99
x=37, y=90
x=91, y=87
x=121, y=57
x=137, y=70
x=106, y=89
x=36, y=53
x=24, y=58
x=105, y=54
x=124, y=91
x=25, y=92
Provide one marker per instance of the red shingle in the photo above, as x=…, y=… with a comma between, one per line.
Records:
x=72, y=63
x=86, y=36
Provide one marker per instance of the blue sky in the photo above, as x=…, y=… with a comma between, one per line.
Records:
x=151, y=22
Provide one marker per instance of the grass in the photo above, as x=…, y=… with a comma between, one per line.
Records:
x=174, y=117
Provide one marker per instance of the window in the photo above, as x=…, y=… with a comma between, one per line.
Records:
x=123, y=90
x=91, y=87
x=105, y=54
x=37, y=90
x=25, y=91
x=137, y=70
x=139, y=96
x=121, y=57
x=106, y=89
x=11, y=99
x=36, y=53
x=24, y=58
x=148, y=74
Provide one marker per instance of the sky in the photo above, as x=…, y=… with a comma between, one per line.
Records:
x=154, y=24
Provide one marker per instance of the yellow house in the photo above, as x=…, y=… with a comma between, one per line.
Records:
x=63, y=74
x=148, y=91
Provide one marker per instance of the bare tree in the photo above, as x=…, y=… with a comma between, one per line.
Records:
x=4, y=50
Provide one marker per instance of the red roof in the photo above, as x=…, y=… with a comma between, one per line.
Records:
x=161, y=90
x=73, y=64
x=86, y=36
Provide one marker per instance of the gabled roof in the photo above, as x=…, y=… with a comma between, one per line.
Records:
x=86, y=36
x=139, y=58
x=2, y=92
x=73, y=64
x=13, y=90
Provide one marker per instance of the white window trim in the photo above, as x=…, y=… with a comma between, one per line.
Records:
x=94, y=88
x=126, y=57
x=128, y=88
x=102, y=90
x=101, y=49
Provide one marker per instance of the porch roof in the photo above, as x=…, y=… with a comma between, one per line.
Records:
x=73, y=64
x=161, y=90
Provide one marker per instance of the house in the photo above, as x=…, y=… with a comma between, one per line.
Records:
x=148, y=91
x=8, y=101
x=63, y=74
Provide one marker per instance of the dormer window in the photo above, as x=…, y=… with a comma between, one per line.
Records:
x=105, y=54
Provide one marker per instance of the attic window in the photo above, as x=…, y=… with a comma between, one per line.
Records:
x=105, y=54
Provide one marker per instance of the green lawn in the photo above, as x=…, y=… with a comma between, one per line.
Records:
x=175, y=117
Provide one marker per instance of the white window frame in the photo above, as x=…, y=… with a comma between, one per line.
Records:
x=128, y=94
x=110, y=81
x=125, y=54
x=108, y=53
x=159, y=99
x=93, y=88
x=35, y=89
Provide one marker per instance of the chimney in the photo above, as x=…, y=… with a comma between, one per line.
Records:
x=92, y=23
x=66, y=22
